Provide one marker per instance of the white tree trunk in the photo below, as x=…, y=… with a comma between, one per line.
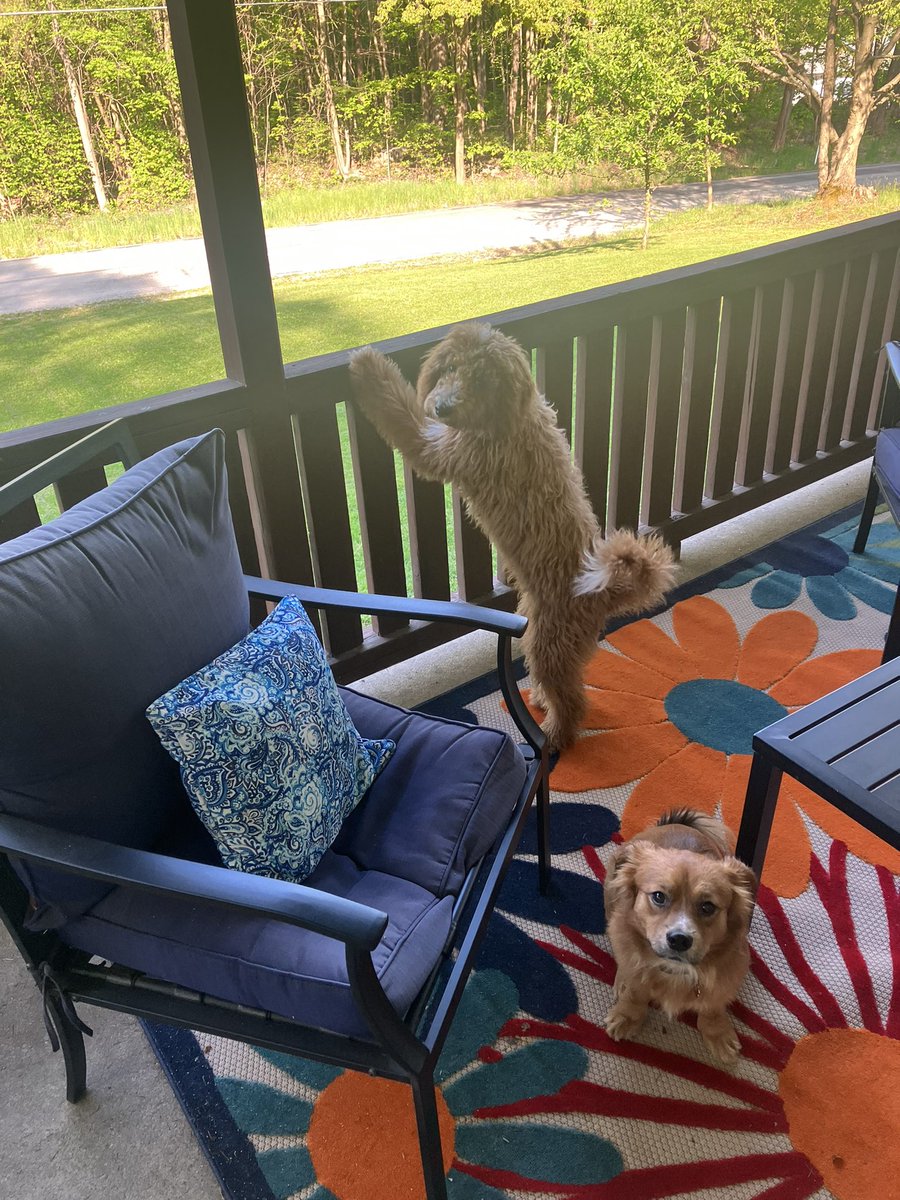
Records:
x=73, y=83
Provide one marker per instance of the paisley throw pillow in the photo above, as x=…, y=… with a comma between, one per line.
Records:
x=269, y=756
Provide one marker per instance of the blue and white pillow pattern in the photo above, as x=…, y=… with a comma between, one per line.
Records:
x=269, y=756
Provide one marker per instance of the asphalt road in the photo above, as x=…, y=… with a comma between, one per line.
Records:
x=90, y=276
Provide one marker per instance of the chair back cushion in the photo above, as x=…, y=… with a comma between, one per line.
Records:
x=101, y=611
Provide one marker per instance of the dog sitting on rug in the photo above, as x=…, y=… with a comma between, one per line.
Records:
x=477, y=420
x=678, y=909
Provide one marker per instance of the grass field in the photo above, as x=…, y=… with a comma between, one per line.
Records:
x=62, y=362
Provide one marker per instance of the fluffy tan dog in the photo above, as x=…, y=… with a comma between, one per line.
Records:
x=678, y=908
x=477, y=420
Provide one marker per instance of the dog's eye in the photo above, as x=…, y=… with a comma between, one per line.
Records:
x=658, y=898
x=707, y=909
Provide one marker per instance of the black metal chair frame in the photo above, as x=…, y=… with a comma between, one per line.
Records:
x=890, y=415
x=404, y=1049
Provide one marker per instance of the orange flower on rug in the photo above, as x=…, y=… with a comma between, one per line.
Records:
x=678, y=715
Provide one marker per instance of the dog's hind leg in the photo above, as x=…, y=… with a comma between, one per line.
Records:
x=555, y=661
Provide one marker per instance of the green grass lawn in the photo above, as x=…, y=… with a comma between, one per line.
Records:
x=62, y=362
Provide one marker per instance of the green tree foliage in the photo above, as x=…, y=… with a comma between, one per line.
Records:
x=90, y=109
x=839, y=58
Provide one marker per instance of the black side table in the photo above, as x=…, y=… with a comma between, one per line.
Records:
x=844, y=747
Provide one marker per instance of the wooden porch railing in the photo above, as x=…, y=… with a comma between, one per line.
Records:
x=689, y=396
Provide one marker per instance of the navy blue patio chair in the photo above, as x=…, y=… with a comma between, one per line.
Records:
x=110, y=886
x=884, y=481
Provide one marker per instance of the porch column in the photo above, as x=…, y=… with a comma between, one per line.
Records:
x=211, y=73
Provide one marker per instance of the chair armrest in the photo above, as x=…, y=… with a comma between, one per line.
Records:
x=455, y=611
x=354, y=924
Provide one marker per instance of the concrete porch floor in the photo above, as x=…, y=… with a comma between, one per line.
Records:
x=128, y=1139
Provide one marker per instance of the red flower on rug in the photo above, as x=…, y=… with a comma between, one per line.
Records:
x=677, y=714
x=814, y=1102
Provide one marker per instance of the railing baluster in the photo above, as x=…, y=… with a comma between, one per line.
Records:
x=763, y=400
x=819, y=356
x=474, y=561
x=555, y=368
x=426, y=514
x=663, y=408
x=79, y=485
x=325, y=501
x=890, y=331
x=732, y=380
x=21, y=519
x=379, y=515
x=843, y=382
x=701, y=342
x=795, y=322
x=632, y=377
x=593, y=407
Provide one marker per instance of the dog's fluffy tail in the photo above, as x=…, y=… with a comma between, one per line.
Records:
x=635, y=572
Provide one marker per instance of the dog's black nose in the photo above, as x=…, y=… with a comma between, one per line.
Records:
x=679, y=941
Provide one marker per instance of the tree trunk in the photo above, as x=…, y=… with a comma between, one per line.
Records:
x=531, y=96
x=844, y=150
x=460, y=98
x=829, y=75
x=381, y=50
x=480, y=74
x=73, y=83
x=784, y=115
x=341, y=160
x=512, y=95
x=648, y=201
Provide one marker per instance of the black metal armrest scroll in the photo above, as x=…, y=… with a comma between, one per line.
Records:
x=354, y=924
x=505, y=625
x=456, y=612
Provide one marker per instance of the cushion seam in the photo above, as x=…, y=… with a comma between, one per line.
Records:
x=126, y=503
x=471, y=813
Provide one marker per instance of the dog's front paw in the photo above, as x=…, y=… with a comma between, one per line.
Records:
x=721, y=1040
x=622, y=1023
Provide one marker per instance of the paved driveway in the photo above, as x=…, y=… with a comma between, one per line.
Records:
x=87, y=277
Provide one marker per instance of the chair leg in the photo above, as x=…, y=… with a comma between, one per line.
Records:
x=759, y=810
x=71, y=1042
x=429, y=1136
x=868, y=512
x=892, y=642
x=543, y=834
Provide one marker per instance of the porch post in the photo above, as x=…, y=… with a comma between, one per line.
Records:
x=211, y=73
x=208, y=58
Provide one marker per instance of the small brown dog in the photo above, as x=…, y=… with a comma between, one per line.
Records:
x=477, y=420
x=678, y=908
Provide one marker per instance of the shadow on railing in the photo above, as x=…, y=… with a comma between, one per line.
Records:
x=688, y=397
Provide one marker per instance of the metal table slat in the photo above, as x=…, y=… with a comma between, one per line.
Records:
x=848, y=727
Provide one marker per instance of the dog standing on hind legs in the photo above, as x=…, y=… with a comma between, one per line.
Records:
x=477, y=420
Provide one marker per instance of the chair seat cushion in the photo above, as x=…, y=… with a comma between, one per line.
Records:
x=437, y=807
x=887, y=467
x=269, y=757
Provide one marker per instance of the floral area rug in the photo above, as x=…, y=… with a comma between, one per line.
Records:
x=536, y=1101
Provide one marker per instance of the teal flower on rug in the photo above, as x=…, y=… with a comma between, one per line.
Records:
x=834, y=577
x=342, y=1135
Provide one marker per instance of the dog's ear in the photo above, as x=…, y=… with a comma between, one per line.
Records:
x=619, y=888
x=743, y=892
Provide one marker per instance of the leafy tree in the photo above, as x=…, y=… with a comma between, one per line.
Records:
x=827, y=52
x=630, y=81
